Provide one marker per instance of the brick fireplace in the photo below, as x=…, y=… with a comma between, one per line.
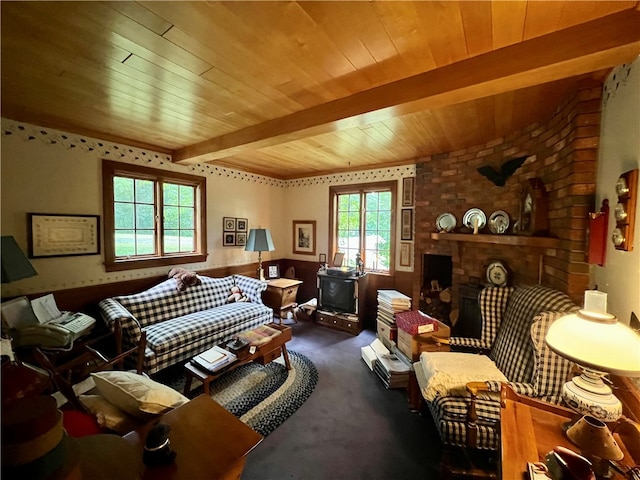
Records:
x=563, y=152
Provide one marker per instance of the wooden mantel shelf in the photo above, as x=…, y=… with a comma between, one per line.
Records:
x=516, y=240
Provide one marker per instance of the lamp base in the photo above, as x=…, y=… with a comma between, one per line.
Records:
x=588, y=395
x=261, y=274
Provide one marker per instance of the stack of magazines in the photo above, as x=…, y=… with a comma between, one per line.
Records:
x=214, y=359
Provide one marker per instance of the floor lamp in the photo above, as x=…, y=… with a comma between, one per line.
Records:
x=259, y=241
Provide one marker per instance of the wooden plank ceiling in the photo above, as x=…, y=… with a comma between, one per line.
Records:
x=292, y=89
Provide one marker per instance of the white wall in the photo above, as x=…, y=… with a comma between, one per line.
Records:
x=619, y=153
x=308, y=199
x=49, y=171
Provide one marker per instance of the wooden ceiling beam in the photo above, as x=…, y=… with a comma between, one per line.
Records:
x=593, y=45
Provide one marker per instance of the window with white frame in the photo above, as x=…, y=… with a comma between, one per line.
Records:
x=363, y=222
x=152, y=217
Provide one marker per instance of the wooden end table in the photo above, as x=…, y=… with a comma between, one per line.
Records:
x=264, y=354
x=530, y=428
x=209, y=441
x=280, y=296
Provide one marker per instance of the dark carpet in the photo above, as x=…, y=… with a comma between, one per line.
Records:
x=351, y=427
x=263, y=397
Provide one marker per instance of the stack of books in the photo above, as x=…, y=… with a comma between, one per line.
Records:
x=390, y=303
x=392, y=368
x=214, y=359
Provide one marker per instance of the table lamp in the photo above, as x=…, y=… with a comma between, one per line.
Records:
x=259, y=241
x=598, y=344
x=15, y=266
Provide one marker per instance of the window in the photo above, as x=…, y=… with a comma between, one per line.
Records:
x=363, y=222
x=152, y=217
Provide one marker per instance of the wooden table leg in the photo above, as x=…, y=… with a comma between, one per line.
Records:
x=187, y=385
x=285, y=354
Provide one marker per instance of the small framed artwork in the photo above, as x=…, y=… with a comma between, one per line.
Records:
x=407, y=191
x=229, y=239
x=228, y=224
x=304, y=237
x=56, y=235
x=241, y=225
x=405, y=254
x=406, y=225
x=338, y=258
x=241, y=239
x=273, y=271
x=322, y=258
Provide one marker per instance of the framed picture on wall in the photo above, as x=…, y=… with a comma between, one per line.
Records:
x=406, y=225
x=229, y=239
x=55, y=235
x=241, y=239
x=407, y=191
x=304, y=237
x=228, y=224
x=241, y=224
x=405, y=254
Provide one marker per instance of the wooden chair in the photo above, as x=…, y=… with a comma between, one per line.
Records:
x=90, y=360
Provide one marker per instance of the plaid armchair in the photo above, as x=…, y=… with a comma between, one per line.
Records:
x=515, y=322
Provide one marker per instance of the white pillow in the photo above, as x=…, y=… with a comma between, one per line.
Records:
x=108, y=415
x=137, y=394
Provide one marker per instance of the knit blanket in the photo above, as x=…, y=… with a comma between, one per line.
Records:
x=447, y=373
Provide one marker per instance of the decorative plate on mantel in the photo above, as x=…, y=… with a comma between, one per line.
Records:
x=474, y=218
x=499, y=222
x=446, y=222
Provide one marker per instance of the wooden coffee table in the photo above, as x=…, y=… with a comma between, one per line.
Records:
x=264, y=354
x=209, y=441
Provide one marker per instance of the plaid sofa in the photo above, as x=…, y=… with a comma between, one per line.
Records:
x=515, y=323
x=179, y=325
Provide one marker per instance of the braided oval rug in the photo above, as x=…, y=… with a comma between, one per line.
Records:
x=262, y=397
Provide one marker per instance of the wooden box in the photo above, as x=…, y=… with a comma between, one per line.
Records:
x=413, y=345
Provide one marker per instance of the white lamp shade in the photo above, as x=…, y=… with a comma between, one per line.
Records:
x=259, y=241
x=598, y=341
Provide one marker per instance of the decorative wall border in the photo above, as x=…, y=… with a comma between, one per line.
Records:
x=616, y=79
x=120, y=152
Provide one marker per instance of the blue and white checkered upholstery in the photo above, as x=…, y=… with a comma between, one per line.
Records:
x=179, y=325
x=519, y=351
x=493, y=302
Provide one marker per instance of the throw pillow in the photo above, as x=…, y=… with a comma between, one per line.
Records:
x=137, y=394
x=108, y=415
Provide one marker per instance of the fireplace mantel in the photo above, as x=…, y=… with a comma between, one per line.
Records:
x=516, y=240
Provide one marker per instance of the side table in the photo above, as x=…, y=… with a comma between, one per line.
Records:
x=209, y=441
x=280, y=296
x=529, y=429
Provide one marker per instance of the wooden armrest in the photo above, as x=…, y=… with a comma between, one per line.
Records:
x=440, y=340
x=474, y=387
x=472, y=416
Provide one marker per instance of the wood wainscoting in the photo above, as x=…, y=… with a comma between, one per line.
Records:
x=86, y=299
